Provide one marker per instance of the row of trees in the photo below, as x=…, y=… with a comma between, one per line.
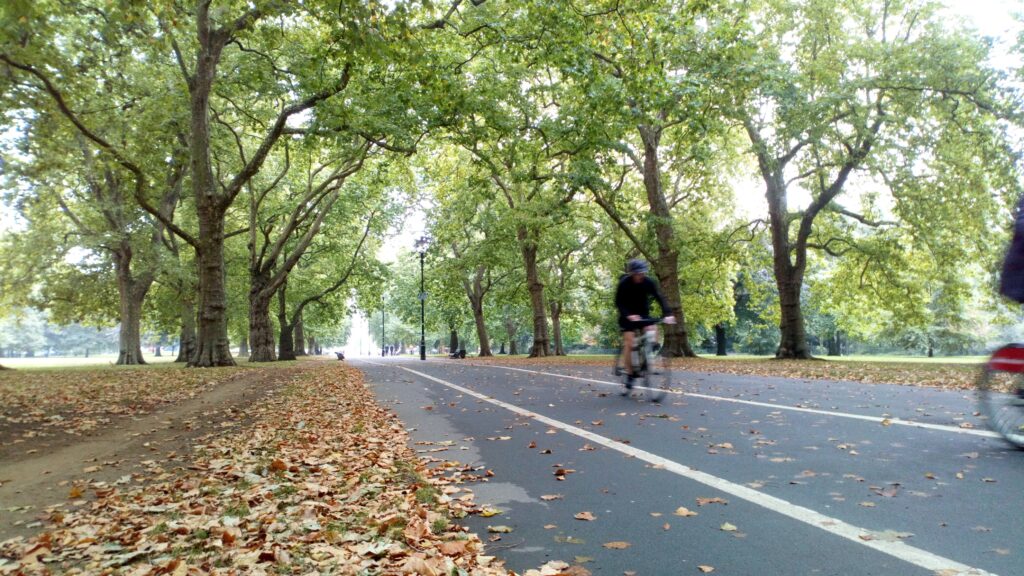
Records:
x=233, y=167
x=878, y=137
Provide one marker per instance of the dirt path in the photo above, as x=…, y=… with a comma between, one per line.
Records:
x=34, y=486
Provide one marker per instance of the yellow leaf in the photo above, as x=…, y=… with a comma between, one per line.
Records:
x=616, y=545
x=706, y=569
x=499, y=529
x=488, y=512
x=684, y=512
x=728, y=527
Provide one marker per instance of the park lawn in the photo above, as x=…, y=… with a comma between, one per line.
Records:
x=952, y=373
x=321, y=480
x=43, y=401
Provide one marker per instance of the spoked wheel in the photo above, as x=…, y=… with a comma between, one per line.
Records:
x=620, y=374
x=1001, y=393
x=658, y=376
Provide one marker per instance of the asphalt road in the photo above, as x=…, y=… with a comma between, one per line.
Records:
x=810, y=477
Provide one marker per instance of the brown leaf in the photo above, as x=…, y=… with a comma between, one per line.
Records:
x=715, y=500
x=684, y=512
x=618, y=545
x=550, y=497
x=706, y=569
x=585, y=516
x=453, y=548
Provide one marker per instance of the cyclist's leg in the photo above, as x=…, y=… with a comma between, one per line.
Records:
x=628, y=341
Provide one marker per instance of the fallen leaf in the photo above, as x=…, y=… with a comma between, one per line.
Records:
x=488, y=512
x=585, y=516
x=616, y=545
x=550, y=497
x=715, y=500
x=684, y=512
x=706, y=569
x=726, y=527
x=499, y=529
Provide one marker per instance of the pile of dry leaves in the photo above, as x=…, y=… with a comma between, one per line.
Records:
x=42, y=402
x=938, y=375
x=323, y=481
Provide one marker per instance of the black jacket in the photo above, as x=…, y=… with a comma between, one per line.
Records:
x=635, y=297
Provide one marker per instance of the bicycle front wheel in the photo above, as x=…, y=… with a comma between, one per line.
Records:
x=1000, y=397
x=658, y=376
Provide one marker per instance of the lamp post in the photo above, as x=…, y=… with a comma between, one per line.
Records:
x=382, y=313
x=421, y=247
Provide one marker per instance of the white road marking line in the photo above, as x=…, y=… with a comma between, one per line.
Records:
x=897, y=549
x=874, y=419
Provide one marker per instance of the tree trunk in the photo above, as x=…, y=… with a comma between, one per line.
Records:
x=556, y=328
x=286, y=340
x=666, y=267
x=720, y=341
x=261, y=332
x=300, y=338
x=311, y=345
x=212, y=345
x=511, y=329
x=792, y=332
x=834, y=345
x=453, y=341
x=481, y=331
x=536, y=288
x=243, y=346
x=502, y=351
x=131, y=292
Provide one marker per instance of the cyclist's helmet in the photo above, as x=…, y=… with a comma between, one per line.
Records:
x=636, y=266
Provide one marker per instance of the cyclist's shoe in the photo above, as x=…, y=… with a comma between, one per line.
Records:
x=617, y=371
x=1018, y=398
x=628, y=381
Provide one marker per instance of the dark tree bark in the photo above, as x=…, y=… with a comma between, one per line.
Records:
x=286, y=341
x=132, y=292
x=453, y=340
x=720, y=340
x=475, y=291
x=556, y=328
x=261, y=332
x=300, y=338
x=243, y=347
x=541, y=344
x=311, y=345
x=511, y=328
x=187, y=338
x=835, y=347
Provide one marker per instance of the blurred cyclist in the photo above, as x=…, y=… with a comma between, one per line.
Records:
x=633, y=300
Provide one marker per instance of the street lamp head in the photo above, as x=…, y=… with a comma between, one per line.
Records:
x=421, y=244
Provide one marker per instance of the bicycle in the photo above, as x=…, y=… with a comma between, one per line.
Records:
x=1001, y=393
x=652, y=365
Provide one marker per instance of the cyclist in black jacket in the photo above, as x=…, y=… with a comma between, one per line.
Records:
x=633, y=300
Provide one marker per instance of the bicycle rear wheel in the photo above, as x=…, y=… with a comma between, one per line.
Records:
x=999, y=393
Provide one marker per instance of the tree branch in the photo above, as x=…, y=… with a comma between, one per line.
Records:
x=119, y=157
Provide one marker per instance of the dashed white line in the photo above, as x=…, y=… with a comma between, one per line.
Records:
x=874, y=419
x=896, y=549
